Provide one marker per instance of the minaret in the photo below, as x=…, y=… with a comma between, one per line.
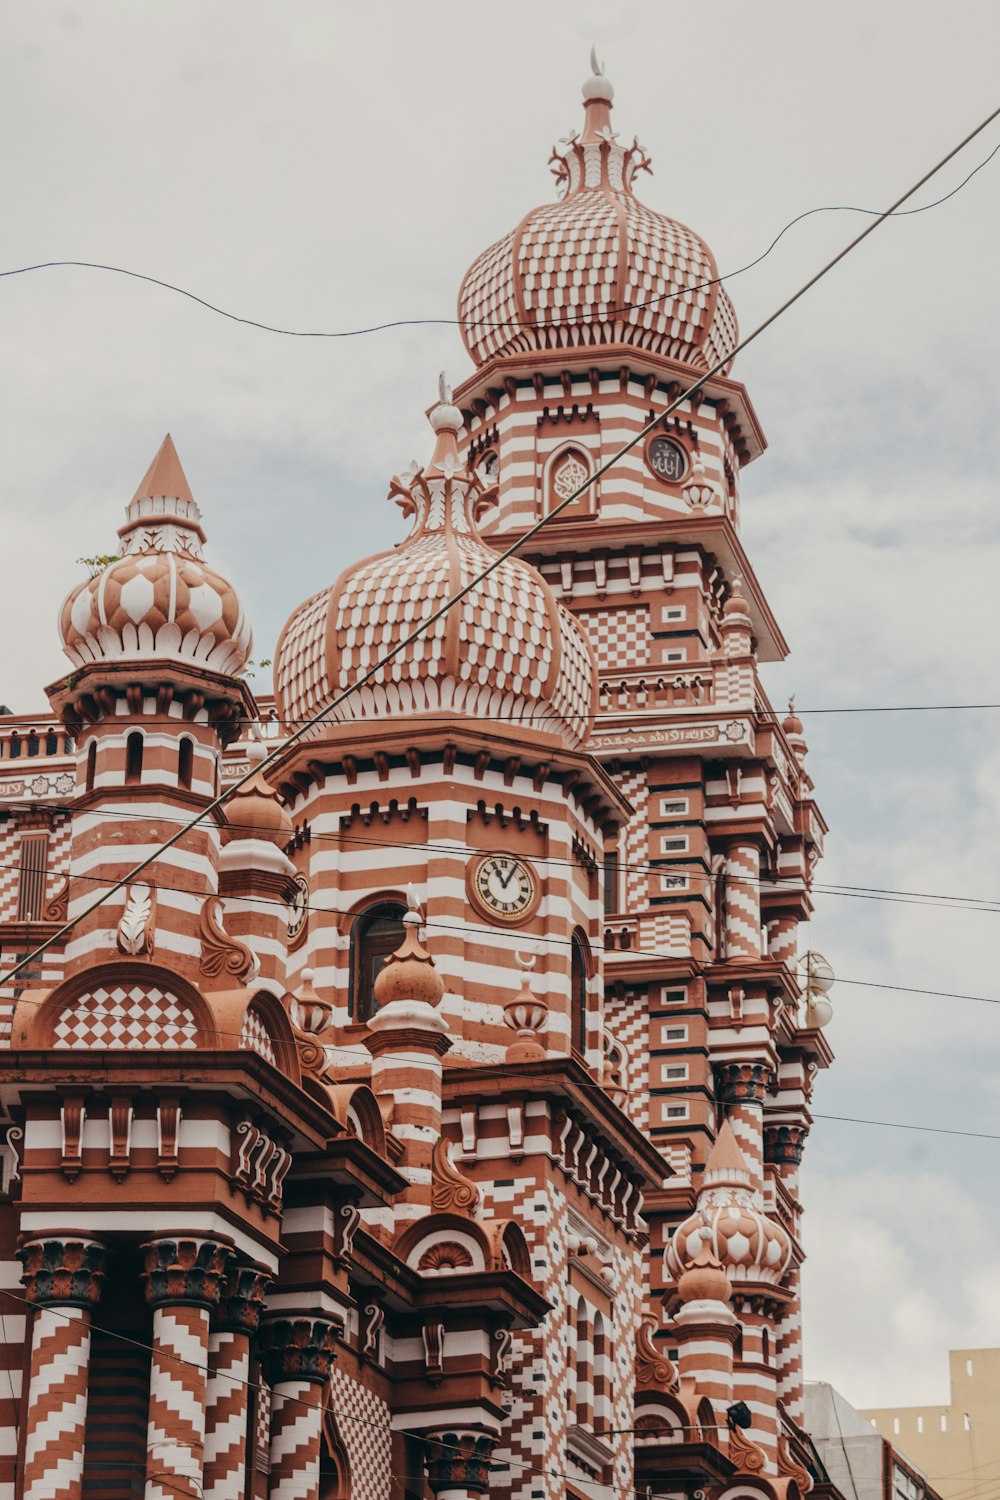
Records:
x=157, y=641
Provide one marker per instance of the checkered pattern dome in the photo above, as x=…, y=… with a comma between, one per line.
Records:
x=159, y=598
x=508, y=649
x=597, y=268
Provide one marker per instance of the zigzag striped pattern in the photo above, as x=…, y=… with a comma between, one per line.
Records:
x=176, y=1431
x=296, y=1422
x=53, y=1451
x=226, y=1416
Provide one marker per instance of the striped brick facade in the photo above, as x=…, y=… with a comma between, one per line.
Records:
x=421, y=1101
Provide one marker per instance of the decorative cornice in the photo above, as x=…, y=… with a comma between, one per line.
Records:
x=66, y=1272
x=451, y=1192
x=652, y=1371
x=458, y=1460
x=222, y=955
x=298, y=1349
x=242, y=1299
x=188, y=1271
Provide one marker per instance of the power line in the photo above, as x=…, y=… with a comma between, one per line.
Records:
x=670, y=864
x=612, y=311
x=407, y=640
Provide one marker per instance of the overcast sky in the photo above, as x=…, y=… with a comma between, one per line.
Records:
x=328, y=165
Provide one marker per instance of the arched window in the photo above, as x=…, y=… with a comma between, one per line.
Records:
x=572, y=1361
x=375, y=934
x=91, y=765
x=133, y=758
x=578, y=995
x=51, y=743
x=15, y=746
x=567, y=472
x=765, y=1346
x=33, y=745
x=185, y=762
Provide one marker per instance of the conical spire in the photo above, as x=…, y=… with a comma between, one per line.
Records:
x=163, y=515
x=726, y=1162
x=165, y=476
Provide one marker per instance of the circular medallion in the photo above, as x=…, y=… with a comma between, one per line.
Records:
x=503, y=888
x=667, y=459
x=298, y=911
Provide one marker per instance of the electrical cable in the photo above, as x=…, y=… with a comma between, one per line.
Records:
x=168, y=1356
x=612, y=311
x=533, y=530
x=670, y=865
x=546, y=940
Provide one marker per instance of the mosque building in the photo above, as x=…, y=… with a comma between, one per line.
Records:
x=426, y=1120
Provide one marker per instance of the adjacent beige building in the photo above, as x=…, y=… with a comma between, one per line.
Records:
x=958, y=1445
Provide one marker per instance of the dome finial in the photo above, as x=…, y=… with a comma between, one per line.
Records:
x=598, y=93
x=447, y=421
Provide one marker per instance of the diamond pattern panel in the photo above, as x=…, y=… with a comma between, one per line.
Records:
x=620, y=637
x=136, y=1016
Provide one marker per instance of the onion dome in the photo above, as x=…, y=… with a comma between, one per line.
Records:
x=409, y=973
x=506, y=649
x=795, y=732
x=729, y=1224
x=158, y=598
x=255, y=810
x=597, y=267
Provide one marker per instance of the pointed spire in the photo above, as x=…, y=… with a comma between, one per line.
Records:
x=598, y=93
x=726, y=1162
x=165, y=476
x=164, y=498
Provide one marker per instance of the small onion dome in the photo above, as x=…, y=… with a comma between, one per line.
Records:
x=409, y=974
x=704, y=1281
x=730, y=1223
x=508, y=648
x=795, y=732
x=736, y=606
x=597, y=267
x=255, y=810
x=158, y=599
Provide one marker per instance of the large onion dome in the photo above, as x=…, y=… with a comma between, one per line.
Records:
x=730, y=1225
x=597, y=267
x=508, y=649
x=158, y=598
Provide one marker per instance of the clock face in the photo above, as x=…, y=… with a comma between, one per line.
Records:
x=298, y=909
x=504, y=888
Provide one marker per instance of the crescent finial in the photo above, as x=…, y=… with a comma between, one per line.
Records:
x=444, y=393
x=595, y=66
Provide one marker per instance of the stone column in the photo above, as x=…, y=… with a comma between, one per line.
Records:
x=458, y=1462
x=742, y=1086
x=228, y=1387
x=62, y=1279
x=743, y=933
x=297, y=1354
x=706, y=1331
x=784, y=1146
x=184, y=1280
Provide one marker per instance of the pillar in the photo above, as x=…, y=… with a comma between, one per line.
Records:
x=742, y=902
x=784, y=1146
x=297, y=1354
x=62, y=1279
x=783, y=937
x=228, y=1386
x=184, y=1279
x=741, y=1086
x=458, y=1463
x=706, y=1330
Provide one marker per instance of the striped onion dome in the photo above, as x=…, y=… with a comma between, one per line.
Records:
x=507, y=650
x=597, y=267
x=158, y=599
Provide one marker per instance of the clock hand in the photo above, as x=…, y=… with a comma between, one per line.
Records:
x=505, y=880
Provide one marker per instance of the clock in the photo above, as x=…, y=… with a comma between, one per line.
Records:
x=504, y=888
x=298, y=911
